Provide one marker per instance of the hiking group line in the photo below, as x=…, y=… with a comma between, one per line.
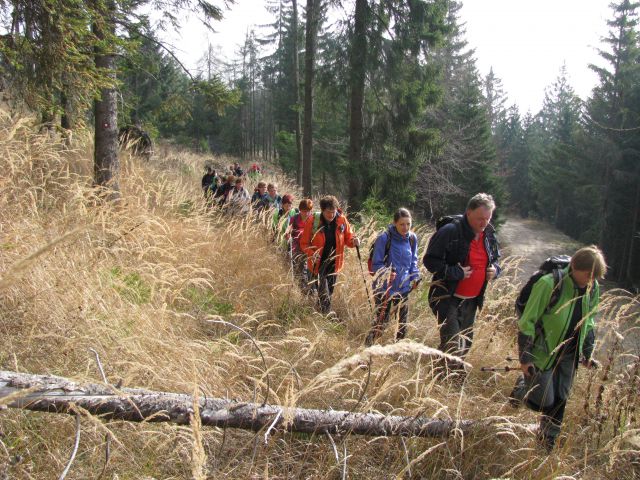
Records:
x=556, y=308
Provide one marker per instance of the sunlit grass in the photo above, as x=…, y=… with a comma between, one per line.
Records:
x=145, y=283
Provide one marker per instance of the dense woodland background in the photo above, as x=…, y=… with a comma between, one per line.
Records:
x=149, y=285
x=382, y=104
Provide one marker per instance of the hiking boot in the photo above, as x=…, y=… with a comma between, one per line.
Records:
x=546, y=442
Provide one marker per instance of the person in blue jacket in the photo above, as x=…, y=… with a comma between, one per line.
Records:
x=394, y=264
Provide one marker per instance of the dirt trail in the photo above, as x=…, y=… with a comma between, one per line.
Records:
x=532, y=241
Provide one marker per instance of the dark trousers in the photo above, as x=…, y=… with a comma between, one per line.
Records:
x=326, y=282
x=548, y=392
x=385, y=306
x=456, y=317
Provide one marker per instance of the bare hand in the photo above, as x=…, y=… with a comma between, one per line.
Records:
x=467, y=271
x=491, y=272
x=392, y=277
x=527, y=369
x=356, y=242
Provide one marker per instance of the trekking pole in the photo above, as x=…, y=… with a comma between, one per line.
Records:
x=507, y=368
x=364, y=279
x=293, y=274
x=499, y=369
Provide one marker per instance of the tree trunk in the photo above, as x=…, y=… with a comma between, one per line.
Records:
x=296, y=83
x=309, y=72
x=358, y=65
x=60, y=395
x=106, y=162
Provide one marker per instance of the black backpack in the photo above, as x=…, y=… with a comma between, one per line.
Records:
x=554, y=265
x=387, y=247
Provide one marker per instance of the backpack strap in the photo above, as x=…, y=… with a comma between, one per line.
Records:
x=387, y=247
x=413, y=242
x=316, y=222
x=558, y=275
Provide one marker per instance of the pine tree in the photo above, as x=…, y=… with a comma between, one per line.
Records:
x=465, y=163
x=556, y=168
x=613, y=143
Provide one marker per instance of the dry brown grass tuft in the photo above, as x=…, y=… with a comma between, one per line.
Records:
x=146, y=282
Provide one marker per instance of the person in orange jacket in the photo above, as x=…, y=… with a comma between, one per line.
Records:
x=325, y=235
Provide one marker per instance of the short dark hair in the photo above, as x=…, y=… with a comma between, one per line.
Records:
x=401, y=213
x=329, y=202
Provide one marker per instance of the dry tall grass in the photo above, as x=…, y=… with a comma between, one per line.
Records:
x=140, y=282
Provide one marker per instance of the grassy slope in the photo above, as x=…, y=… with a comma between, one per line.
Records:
x=137, y=282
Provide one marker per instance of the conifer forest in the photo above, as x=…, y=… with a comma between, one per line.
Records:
x=384, y=105
x=179, y=337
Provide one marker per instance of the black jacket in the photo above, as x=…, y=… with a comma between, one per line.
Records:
x=448, y=249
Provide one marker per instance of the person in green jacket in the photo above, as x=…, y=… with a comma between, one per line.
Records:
x=280, y=220
x=552, y=341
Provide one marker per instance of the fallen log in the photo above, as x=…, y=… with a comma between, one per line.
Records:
x=46, y=393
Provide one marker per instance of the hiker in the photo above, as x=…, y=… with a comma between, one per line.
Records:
x=207, y=180
x=394, y=264
x=212, y=191
x=254, y=172
x=224, y=189
x=294, y=232
x=281, y=219
x=552, y=340
x=237, y=170
x=273, y=199
x=325, y=235
x=259, y=197
x=463, y=257
x=238, y=199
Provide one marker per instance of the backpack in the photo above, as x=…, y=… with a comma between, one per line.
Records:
x=447, y=219
x=554, y=265
x=387, y=247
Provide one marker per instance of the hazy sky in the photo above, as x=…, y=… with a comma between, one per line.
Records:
x=525, y=41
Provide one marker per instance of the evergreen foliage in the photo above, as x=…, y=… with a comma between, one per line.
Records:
x=396, y=112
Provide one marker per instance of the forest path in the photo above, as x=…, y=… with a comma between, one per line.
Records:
x=532, y=241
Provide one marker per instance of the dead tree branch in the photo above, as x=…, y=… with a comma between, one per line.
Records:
x=60, y=395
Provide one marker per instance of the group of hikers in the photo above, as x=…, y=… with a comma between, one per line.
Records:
x=556, y=308
x=229, y=189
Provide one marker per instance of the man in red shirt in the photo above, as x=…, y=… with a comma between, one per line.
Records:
x=463, y=256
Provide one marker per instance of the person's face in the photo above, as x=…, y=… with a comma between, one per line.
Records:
x=262, y=190
x=304, y=214
x=403, y=225
x=286, y=207
x=479, y=218
x=273, y=192
x=582, y=278
x=329, y=214
x=238, y=185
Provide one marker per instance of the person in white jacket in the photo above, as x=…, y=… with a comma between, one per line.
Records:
x=238, y=199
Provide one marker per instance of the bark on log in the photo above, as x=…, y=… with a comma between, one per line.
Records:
x=59, y=395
